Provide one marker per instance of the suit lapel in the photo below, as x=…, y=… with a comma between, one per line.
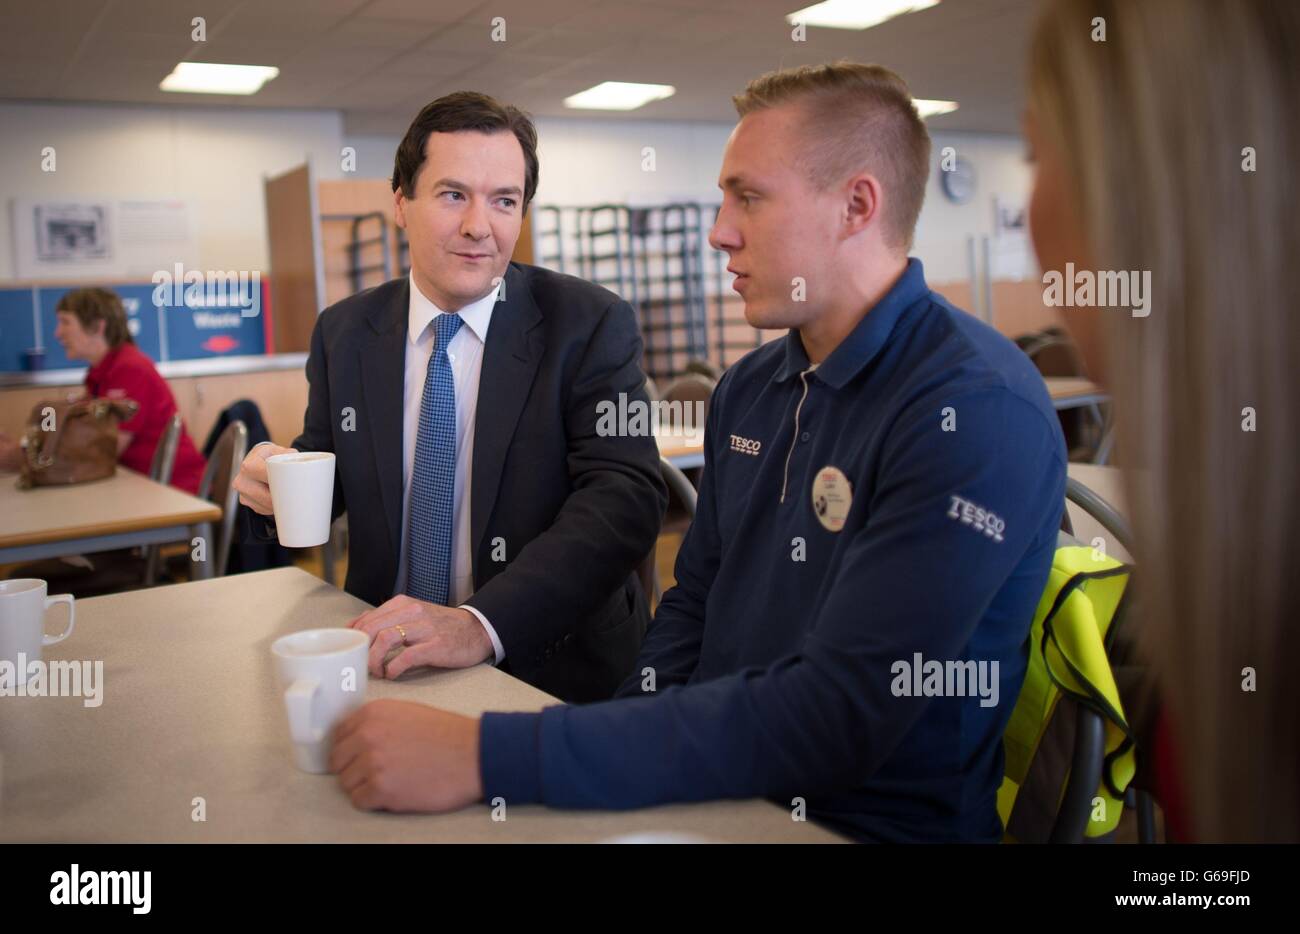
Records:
x=383, y=366
x=511, y=355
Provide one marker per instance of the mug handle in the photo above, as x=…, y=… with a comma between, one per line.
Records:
x=298, y=701
x=72, y=617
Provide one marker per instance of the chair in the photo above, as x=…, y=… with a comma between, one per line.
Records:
x=164, y=455
x=688, y=389
x=1097, y=507
x=335, y=545
x=160, y=470
x=1109, y=519
x=680, y=487
x=702, y=367
x=1059, y=779
x=1054, y=354
x=217, y=486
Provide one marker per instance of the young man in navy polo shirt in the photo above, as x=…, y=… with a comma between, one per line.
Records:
x=877, y=516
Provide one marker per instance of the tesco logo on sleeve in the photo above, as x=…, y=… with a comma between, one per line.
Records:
x=977, y=517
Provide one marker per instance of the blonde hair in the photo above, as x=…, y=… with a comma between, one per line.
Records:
x=855, y=116
x=1154, y=125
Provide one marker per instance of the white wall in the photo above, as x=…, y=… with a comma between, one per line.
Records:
x=214, y=157
x=585, y=162
x=943, y=228
x=218, y=157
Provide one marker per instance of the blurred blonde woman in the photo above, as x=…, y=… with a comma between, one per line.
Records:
x=1172, y=146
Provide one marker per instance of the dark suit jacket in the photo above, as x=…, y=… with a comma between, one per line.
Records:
x=574, y=512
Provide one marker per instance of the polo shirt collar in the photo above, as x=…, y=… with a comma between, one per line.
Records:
x=477, y=316
x=864, y=341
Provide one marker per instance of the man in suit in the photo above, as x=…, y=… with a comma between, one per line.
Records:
x=488, y=518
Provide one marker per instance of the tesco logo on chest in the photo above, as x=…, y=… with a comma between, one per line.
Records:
x=746, y=445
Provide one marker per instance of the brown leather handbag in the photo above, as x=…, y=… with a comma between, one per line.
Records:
x=72, y=442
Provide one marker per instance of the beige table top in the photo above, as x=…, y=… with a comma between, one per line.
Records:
x=125, y=502
x=677, y=444
x=191, y=709
x=1065, y=387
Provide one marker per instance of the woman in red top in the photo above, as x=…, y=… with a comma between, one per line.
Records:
x=92, y=327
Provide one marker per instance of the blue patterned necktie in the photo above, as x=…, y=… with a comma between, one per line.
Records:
x=433, y=477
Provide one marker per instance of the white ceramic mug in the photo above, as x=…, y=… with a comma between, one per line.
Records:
x=323, y=672
x=23, y=603
x=302, y=494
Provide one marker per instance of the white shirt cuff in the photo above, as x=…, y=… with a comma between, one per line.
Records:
x=492, y=633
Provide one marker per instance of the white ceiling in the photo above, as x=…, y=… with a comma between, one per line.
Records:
x=379, y=61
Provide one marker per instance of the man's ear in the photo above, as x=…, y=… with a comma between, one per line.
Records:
x=862, y=204
x=399, y=215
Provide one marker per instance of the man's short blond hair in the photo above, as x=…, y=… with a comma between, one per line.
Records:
x=856, y=117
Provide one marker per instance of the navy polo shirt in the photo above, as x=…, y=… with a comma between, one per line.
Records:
x=859, y=522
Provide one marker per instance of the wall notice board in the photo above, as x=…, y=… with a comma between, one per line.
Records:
x=167, y=324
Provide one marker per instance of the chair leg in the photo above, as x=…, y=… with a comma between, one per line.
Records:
x=327, y=558
x=1085, y=774
x=1146, y=817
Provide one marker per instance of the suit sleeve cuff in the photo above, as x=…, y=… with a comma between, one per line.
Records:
x=510, y=757
x=497, y=647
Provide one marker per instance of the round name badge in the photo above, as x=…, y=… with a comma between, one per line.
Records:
x=832, y=495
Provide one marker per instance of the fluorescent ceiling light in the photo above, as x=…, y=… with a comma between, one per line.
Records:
x=205, y=78
x=619, y=95
x=856, y=14
x=933, y=108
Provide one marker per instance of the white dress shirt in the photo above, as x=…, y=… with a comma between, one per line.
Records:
x=465, y=353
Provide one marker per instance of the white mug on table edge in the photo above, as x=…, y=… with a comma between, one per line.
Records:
x=323, y=672
x=23, y=604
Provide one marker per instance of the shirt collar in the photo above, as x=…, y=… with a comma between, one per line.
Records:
x=864, y=341
x=105, y=362
x=477, y=315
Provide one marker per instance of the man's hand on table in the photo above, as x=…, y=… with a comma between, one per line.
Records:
x=398, y=756
x=441, y=636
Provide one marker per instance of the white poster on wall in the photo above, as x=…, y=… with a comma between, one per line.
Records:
x=1011, y=255
x=86, y=238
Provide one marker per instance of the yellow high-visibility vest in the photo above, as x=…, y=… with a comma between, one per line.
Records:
x=1067, y=656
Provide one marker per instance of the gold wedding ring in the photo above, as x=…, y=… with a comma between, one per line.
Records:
x=402, y=633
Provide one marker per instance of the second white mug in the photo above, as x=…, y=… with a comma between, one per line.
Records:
x=323, y=672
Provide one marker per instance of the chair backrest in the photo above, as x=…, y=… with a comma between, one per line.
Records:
x=164, y=455
x=217, y=486
x=687, y=389
x=704, y=368
x=1097, y=507
x=1054, y=354
x=679, y=486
